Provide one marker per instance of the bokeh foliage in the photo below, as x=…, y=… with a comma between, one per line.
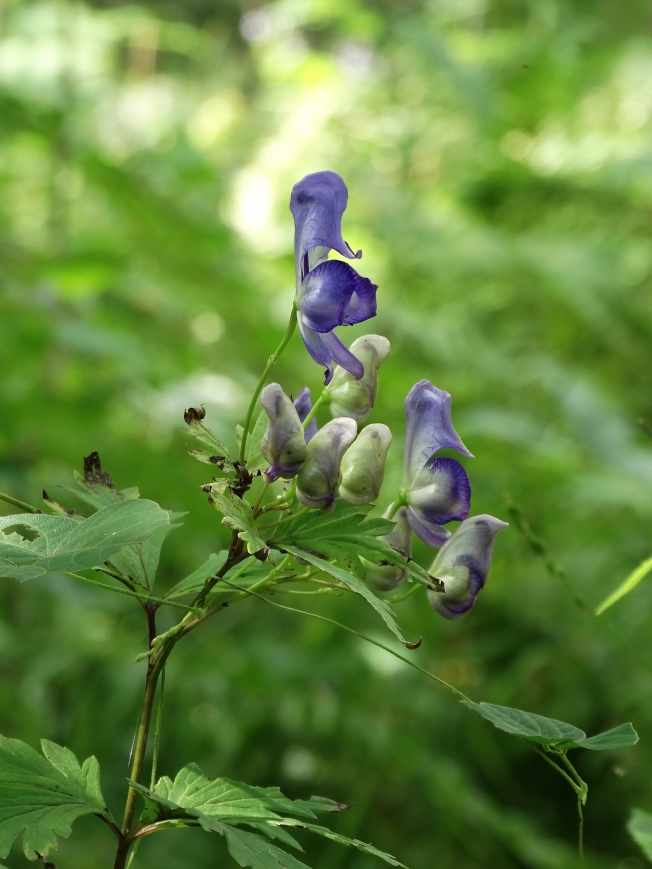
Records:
x=500, y=173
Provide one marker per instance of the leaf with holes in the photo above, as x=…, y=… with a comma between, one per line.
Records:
x=59, y=543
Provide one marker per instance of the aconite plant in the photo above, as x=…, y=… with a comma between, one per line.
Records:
x=304, y=502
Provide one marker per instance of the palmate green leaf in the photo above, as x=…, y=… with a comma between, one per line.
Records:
x=640, y=829
x=42, y=796
x=227, y=800
x=239, y=516
x=96, y=486
x=221, y=805
x=347, y=535
x=63, y=544
x=538, y=728
x=382, y=607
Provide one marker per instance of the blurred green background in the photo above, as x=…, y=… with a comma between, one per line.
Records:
x=499, y=161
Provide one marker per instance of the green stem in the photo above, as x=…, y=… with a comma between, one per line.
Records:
x=16, y=503
x=259, y=499
x=132, y=855
x=271, y=362
x=396, y=506
x=405, y=596
x=324, y=398
x=285, y=519
x=581, y=832
x=145, y=597
x=157, y=733
x=277, y=503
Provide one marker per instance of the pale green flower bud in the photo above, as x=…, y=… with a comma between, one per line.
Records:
x=320, y=475
x=387, y=577
x=284, y=442
x=356, y=398
x=363, y=465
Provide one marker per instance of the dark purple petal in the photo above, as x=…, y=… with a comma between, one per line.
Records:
x=363, y=302
x=325, y=295
x=342, y=355
x=431, y=534
x=442, y=492
x=303, y=405
x=462, y=564
x=429, y=428
x=316, y=346
x=317, y=204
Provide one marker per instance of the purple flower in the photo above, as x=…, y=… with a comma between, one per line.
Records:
x=329, y=293
x=435, y=489
x=303, y=406
x=462, y=564
x=283, y=444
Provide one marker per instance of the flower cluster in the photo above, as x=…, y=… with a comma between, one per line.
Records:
x=343, y=459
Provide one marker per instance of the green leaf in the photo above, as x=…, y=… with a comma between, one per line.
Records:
x=220, y=805
x=342, y=840
x=140, y=560
x=618, y=737
x=199, y=430
x=624, y=588
x=239, y=516
x=196, y=581
x=208, y=458
x=97, y=487
x=42, y=796
x=538, y=728
x=640, y=829
x=249, y=849
x=382, y=607
x=63, y=544
x=347, y=535
x=227, y=800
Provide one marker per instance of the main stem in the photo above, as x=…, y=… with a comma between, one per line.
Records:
x=271, y=362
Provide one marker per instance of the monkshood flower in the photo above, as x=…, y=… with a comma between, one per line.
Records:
x=329, y=293
x=321, y=474
x=462, y=564
x=356, y=397
x=283, y=444
x=385, y=578
x=363, y=465
x=435, y=489
x=303, y=405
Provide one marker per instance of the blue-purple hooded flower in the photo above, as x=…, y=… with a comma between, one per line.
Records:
x=283, y=445
x=303, y=406
x=462, y=564
x=436, y=488
x=329, y=293
x=321, y=474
